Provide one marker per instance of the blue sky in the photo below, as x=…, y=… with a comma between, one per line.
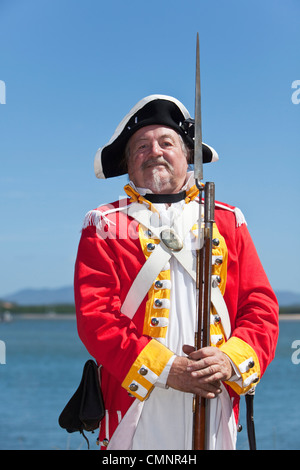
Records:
x=72, y=69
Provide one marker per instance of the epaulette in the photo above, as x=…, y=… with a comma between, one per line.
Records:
x=239, y=216
x=96, y=217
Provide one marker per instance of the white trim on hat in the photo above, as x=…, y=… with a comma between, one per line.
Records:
x=98, y=169
x=215, y=156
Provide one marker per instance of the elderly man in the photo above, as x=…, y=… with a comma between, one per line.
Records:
x=136, y=297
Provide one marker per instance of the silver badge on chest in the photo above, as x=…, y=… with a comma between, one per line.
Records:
x=171, y=240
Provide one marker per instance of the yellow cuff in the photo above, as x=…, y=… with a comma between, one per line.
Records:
x=146, y=369
x=245, y=359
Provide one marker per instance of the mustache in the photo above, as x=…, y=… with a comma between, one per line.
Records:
x=152, y=162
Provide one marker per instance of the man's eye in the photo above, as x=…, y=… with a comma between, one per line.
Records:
x=140, y=147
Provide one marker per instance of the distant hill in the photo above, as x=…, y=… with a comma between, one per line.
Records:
x=65, y=295
x=287, y=299
x=62, y=295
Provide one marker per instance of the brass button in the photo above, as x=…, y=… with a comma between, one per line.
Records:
x=150, y=247
x=143, y=371
x=133, y=387
x=158, y=284
x=216, y=281
x=158, y=303
x=154, y=321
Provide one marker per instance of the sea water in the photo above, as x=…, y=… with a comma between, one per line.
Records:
x=43, y=367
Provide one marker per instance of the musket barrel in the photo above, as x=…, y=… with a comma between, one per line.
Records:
x=204, y=271
x=209, y=202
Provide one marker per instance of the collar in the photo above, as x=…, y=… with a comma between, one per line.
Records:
x=142, y=195
x=165, y=198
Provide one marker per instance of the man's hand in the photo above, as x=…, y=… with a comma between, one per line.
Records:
x=201, y=372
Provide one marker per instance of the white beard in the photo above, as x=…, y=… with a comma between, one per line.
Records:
x=157, y=183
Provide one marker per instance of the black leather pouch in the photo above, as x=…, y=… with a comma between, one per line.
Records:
x=85, y=409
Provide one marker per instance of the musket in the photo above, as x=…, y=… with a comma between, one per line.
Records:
x=204, y=265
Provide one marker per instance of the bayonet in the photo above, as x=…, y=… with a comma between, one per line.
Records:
x=198, y=152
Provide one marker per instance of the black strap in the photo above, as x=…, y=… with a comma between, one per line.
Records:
x=165, y=198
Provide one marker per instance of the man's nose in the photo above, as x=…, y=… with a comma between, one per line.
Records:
x=156, y=149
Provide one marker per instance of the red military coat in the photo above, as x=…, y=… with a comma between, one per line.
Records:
x=111, y=253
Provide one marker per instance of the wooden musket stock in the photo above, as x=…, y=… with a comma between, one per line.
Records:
x=202, y=337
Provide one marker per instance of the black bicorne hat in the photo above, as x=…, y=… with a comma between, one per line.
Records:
x=154, y=109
